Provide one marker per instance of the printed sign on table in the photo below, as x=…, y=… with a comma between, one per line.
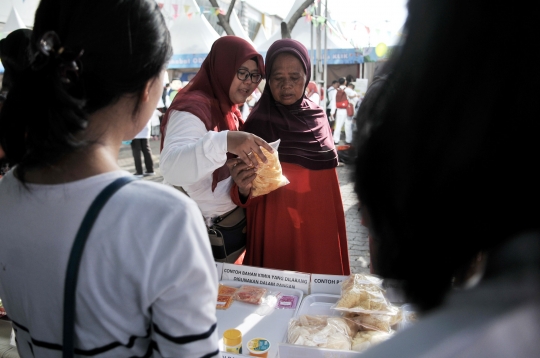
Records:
x=263, y=276
x=330, y=284
x=231, y=355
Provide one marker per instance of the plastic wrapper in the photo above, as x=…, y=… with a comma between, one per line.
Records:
x=376, y=322
x=363, y=294
x=365, y=339
x=287, y=302
x=225, y=296
x=409, y=315
x=269, y=176
x=321, y=331
x=250, y=294
x=268, y=302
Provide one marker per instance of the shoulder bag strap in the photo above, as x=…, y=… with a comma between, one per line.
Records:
x=77, y=249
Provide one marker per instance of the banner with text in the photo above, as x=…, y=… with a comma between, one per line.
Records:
x=187, y=61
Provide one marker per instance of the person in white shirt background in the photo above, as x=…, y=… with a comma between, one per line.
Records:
x=342, y=119
x=331, y=100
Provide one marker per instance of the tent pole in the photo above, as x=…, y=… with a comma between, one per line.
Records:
x=325, y=77
x=312, y=50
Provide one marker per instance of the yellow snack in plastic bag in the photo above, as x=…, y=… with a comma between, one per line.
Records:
x=269, y=176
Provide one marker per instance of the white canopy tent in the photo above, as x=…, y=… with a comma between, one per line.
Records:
x=237, y=27
x=192, y=36
x=261, y=37
x=26, y=9
x=14, y=22
x=302, y=32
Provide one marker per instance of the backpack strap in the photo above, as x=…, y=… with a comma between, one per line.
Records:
x=70, y=285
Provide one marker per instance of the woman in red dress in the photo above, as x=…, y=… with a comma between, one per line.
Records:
x=300, y=226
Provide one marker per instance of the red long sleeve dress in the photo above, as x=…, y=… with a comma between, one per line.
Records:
x=300, y=226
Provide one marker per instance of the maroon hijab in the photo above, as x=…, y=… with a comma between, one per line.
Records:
x=306, y=137
x=207, y=95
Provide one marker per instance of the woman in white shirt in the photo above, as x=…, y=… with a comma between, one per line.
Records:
x=200, y=128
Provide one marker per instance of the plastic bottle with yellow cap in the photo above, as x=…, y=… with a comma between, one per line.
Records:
x=232, y=340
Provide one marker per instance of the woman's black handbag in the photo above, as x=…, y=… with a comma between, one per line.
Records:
x=228, y=235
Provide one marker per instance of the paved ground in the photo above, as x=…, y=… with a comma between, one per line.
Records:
x=356, y=232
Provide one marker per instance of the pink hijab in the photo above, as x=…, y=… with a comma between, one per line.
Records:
x=306, y=137
x=312, y=88
x=207, y=96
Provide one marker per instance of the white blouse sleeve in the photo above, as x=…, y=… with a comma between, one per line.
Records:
x=190, y=151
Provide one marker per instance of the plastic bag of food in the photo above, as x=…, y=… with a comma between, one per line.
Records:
x=268, y=303
x=250, y=294
x=365, y=339
x=225, y=296
x=376, y=322
x=364, y=294
x=321, y=331
x=269, y=176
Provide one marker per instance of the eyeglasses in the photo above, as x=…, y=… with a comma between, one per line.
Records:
x=243, y=75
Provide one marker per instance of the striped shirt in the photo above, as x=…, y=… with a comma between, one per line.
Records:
x=147, y=282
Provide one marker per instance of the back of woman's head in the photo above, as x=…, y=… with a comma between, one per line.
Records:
x=87, y=55
x=449, y=166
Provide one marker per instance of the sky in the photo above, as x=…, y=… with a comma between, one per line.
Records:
x=390, y=14
x=387, y=14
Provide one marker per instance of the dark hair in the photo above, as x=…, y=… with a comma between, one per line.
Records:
x=349, y=78
x=342, y=80
x=15, y=55
x=335, y=81
x=448, y=169
x=124, y=44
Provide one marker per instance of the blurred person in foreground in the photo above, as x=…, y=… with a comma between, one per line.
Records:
x=96, y=75
x=300, y=226
x=447, y=178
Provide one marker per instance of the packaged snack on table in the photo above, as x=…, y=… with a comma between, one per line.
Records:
x=364, y=294
x=225, y=296
x=250, y=294
x=321, y=331
x=376, y=322
x=268, y=302
x=226, y=290
x=365, y=339
x=287, y=302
